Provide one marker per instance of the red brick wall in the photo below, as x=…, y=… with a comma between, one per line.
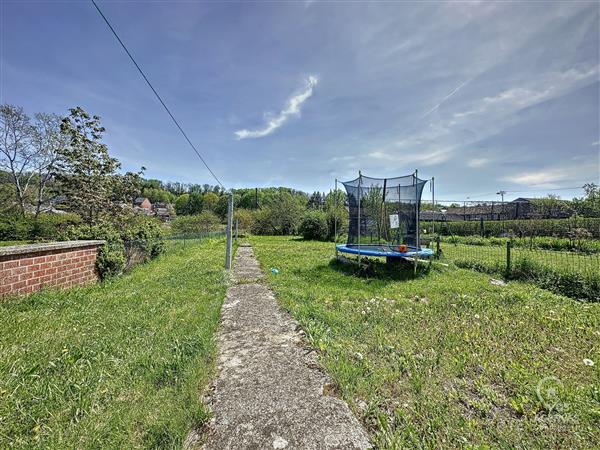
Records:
x=29, y=271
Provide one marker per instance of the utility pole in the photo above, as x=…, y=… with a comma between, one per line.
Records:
x=229, y=230
x=501, y=194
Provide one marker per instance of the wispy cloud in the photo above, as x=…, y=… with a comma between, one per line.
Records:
x=477, y=162
x=292, y=109
x=551, y=177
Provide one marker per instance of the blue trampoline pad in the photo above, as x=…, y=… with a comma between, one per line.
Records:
x=384, y=251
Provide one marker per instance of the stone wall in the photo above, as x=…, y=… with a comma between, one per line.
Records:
x=28, y=268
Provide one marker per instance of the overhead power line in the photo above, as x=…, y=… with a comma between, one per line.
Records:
x=528, y=190
x=156, y=93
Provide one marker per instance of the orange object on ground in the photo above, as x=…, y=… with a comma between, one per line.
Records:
x=402, y=248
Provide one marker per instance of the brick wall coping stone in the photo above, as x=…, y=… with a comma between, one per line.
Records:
x=46, y=246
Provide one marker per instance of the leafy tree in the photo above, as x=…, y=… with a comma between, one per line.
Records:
x=196, y=203
x=181, y=204
x=551, y=206
x=244, y=217
x=337, y=214
x=372, y=202
x=156, y=195
x=282, y=214
x=210, y=201
x=86, y=171
x=589, y=205
x=315, y=201
x=222, y=205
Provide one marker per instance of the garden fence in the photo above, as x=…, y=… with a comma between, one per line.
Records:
x=576, y=274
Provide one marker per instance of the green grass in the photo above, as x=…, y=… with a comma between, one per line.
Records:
x=445, y=359
x=573, y=274
x=115, y=365
x=562, y=260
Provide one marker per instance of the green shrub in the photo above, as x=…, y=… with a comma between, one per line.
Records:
x=136, y=238
x=575, y=243
x=43, y=227
x=111, y=259
x=53, y=226
x=15, y=228
x=314, y=226
x=521, y=228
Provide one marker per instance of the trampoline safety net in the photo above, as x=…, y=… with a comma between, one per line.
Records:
x=384, y=211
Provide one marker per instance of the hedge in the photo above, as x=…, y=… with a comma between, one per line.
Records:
x=520, y=228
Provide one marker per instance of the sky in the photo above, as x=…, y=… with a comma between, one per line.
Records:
x=483, y=96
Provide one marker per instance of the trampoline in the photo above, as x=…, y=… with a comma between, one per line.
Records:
x=383, y=217
x=384, y=251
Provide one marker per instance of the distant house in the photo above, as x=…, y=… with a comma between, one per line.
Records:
x=162, y=210
x=142, y=204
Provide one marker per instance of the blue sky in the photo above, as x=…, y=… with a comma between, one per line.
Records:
x=483, y=96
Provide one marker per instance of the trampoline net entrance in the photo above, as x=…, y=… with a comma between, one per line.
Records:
x=384, y=212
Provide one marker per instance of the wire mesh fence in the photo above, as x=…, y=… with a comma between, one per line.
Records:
x=182, y=240
x=575, y=274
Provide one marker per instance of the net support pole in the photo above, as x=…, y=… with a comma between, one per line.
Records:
x=433, y=205
x=229, y=230
x=335, y=218
x=359, y=195
x=417, y=207
x=418, y=242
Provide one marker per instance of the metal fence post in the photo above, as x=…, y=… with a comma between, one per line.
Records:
x=229, y=227
x=508, y=262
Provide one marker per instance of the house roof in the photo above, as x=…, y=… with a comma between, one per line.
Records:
x=139, y=200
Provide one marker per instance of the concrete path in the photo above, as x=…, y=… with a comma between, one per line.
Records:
x=270, y=392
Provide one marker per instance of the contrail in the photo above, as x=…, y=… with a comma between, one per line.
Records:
x=458, y=88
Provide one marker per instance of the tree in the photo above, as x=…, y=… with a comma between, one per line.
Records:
x=86, y=171
x=17, y=155
x=337, y=214
x=48, y=142
x=244, y=218
x=210, y=201
x=282, y=214
x=196, y=203
x=588, y=206
x=373, y=205
x=315, y=201
x=181, y=204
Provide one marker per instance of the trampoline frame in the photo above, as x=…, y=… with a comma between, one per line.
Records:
x=367, y=250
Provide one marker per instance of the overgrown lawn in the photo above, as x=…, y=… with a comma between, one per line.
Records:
x=446, y=359
x=115, y=365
